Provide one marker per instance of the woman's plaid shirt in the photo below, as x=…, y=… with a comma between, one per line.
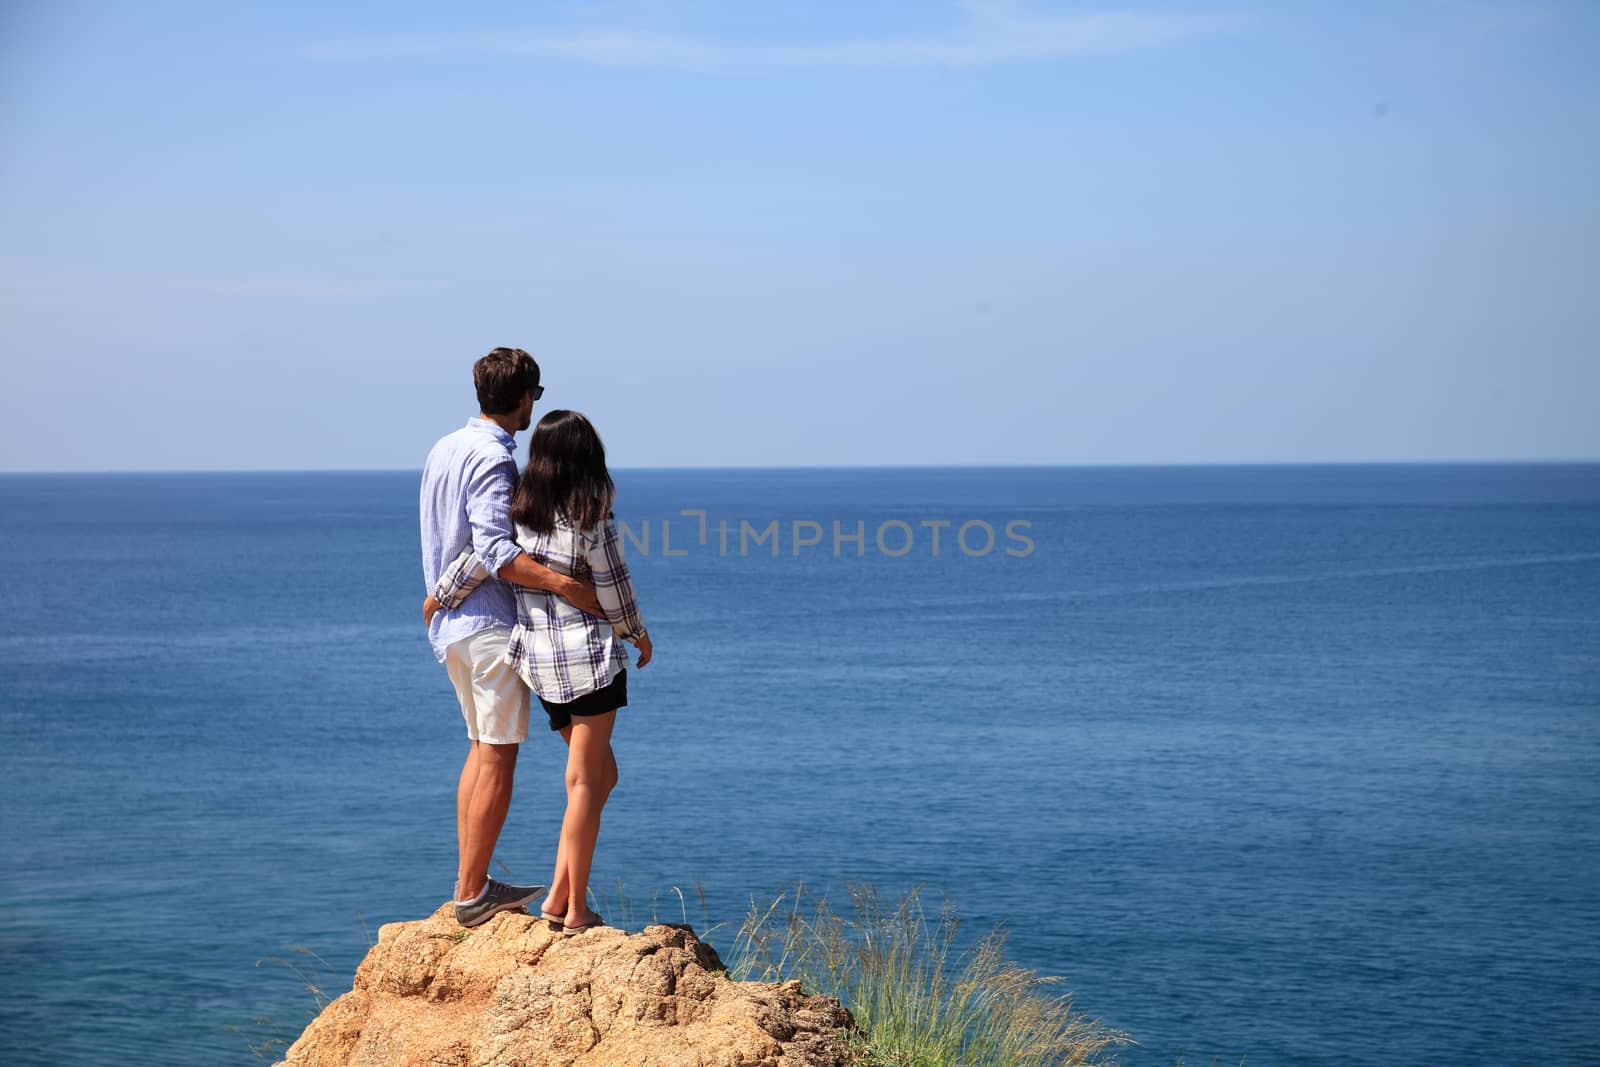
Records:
x=560, y=651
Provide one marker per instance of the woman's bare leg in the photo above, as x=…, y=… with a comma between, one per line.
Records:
x=557, y=902
x=591, y=775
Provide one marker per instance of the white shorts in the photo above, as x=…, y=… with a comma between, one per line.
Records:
x=494, y=701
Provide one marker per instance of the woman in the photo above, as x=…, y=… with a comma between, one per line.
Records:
x=572, y=661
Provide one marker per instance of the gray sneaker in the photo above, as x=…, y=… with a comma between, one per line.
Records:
x=500, y=897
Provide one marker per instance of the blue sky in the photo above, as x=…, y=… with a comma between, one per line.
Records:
x=734, y=234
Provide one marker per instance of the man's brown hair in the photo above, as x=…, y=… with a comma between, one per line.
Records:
x=503, y=378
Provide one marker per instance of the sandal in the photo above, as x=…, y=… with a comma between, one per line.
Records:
x=598, y=921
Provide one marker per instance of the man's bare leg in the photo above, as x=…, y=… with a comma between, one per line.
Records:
x=469, y=778
x=485, y=814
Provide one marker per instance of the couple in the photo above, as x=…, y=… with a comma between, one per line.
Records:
x=529, y=590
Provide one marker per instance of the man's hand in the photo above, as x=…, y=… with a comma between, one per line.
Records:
x=581, y=594
x=523, y=571
x=430, y=607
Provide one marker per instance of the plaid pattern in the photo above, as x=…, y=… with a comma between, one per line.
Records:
x=559, y=650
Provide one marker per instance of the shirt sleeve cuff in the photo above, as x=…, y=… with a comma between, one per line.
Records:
x=501, y=555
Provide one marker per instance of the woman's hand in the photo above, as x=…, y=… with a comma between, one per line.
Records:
x=642, y=642
x=430, y=607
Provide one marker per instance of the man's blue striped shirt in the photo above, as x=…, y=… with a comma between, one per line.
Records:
x=466, y=499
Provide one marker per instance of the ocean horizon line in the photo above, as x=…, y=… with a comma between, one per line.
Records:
x=1128, y=465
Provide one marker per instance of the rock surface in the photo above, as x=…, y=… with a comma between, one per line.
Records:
x=517, y=992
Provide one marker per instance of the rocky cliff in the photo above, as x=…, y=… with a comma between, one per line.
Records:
x=516, y=992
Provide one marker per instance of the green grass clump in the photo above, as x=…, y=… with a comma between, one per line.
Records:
x=917, y=1006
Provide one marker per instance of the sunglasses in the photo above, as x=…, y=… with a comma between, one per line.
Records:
x=537, y=392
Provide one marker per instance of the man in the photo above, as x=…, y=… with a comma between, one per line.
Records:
x=467, y=483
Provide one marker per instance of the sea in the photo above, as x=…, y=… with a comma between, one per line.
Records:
x=1267, y=765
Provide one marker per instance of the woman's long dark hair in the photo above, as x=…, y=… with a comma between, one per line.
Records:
x=565, y=475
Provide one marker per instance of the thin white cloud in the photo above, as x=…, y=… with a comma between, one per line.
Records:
x=39, y=282
x=311, y=288
x=994, y=32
